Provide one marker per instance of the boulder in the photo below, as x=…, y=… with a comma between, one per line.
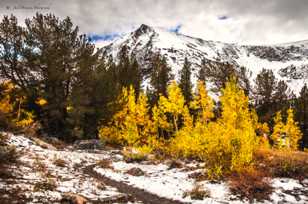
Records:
x=88, y=144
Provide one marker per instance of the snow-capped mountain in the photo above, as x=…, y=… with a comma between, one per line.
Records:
x=288, y=61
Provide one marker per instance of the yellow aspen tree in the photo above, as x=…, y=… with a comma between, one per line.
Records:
x=6, y=106
x=261, y=129
x=237, y=125
x=173, y=105
x=203, y=104
x=129, y=129
x=160, y=120
x=292, y=131
x=278, y=131
x=145, y=125
x=131, y=125
x=112, y=133
x=11, y=106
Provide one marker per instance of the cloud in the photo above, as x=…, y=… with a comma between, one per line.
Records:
x=252, y=22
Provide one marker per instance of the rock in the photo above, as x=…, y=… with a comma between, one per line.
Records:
x=71, y=198
x=88, y=144
x=135, y=172
x=174, y=164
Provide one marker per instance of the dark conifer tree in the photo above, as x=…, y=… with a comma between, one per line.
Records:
x=46, y=55
x=129, y=71
x=302, y=114
x=282, y=96
x=202, y=74
x=160, y=76
x=185, y=81
x=270, y=95
x=217, y=73
x=265, y=86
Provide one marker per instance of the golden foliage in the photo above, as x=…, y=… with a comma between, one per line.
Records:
x=6, y=105
x=41, y=101
x=173, y=105
x=225, y=144
x=286, y=135
x=203, y=104
x=278, y=131
x=11, y=106
x=131, y=125
x=292, y=130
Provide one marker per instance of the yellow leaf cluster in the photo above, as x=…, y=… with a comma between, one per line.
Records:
x=131, y=125
x=41, y=101
x=11, y=106
x=225, y=143
x=286, y=135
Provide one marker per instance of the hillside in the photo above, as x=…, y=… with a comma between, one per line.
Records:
x=288, y=61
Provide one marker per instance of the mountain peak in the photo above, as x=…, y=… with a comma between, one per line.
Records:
x=143, y=29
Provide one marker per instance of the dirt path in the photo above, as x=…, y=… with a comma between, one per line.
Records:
x=136, y=193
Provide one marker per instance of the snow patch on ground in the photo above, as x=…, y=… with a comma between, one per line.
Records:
x=68, y=179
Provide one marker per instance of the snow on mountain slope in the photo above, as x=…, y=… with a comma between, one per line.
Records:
x=288, y=61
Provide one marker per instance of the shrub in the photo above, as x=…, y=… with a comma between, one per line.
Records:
x=282, y=163
x=8, y=153
x=251, y=184
x=135, y=172
x=105, y=163
x=47, y=185
x=197, y=193
x=59, y=162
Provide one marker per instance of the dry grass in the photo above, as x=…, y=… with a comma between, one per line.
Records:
x=131, y=157
x=60, y=162
x=282, y=163
x=47, y=185
x=8, y=153
x=40, y=166
x=8, y=156
x=251, y=184
x=135, y=172
x=105, y=163
x=197, y=193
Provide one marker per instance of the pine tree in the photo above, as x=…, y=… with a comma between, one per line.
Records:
x=86, y=103
x=265, y=87
x=129, y=71
x=292, y=131
x=160, y=76
x=302, y=114
x=282, y=96
x=185, y=81
x=202, y=73
x=217, y=73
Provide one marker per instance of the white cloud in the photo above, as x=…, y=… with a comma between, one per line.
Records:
x=249, y=22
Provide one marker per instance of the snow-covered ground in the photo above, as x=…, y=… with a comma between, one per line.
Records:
x=37, y=165
x=174, y=183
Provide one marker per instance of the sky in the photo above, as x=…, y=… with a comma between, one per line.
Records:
x=234, y=21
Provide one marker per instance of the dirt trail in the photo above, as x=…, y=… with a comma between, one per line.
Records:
x=136, y=193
